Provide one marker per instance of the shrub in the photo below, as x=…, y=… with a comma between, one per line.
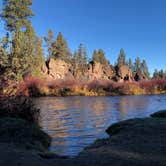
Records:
x=19, y=108
x=30, y=87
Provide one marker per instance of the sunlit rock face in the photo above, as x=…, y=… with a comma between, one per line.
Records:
x=123, y=73
x=99, y=72
x=57, y=69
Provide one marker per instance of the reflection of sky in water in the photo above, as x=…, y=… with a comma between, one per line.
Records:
x=75, y=122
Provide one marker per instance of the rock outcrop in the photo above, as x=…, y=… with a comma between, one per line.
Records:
x=123, y=73
x=57, y=69
x=99, y=72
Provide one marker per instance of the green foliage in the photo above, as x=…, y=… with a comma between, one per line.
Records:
x=159, y=74
x=25, y=49
x=141, y=68
x=16, y=13
x=99, y=56
x=121, y=58
x=130, y=64
x=79, y=59
x=4, y=57
x=144, y=69
x=137, y=65
x=49, y=41
x=59, y=48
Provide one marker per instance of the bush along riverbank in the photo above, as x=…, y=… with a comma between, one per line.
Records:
x=35, y=87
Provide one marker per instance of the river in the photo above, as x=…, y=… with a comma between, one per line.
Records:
x=76, y=122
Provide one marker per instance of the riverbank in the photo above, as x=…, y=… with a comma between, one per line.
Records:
x=36, y=87
x=140, y=141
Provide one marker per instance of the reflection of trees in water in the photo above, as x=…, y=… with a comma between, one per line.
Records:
x=129, y=104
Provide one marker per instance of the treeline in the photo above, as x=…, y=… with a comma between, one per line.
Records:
x=22, y=51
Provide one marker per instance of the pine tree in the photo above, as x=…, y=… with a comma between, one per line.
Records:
x=144, y=69
x=82, y=57
x=121, y=58
x=16, y=13
x=161, y=74
x=79, y=59
x=4, y=58
x=137, y=65
x=95, y=56
x=49, y=42
x=23, y=47
x=155, y=74
x=130, y=65
x=99, y=56
x=60, y=48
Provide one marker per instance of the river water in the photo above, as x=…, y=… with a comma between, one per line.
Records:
x=76, y=122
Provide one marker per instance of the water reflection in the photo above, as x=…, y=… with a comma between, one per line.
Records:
x=75, y=122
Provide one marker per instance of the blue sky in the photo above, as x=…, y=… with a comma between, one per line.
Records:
x=138, y=26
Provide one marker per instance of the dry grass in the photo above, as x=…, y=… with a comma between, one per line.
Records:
x=32, y=86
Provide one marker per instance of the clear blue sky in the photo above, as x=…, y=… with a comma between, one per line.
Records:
x=138, y=26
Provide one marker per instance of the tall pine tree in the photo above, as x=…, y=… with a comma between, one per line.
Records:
x=24, y=49
x=60, y=48
x=121, y=58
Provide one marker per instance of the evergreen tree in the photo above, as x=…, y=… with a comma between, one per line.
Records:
x=16, y=14
x=60, y=48
x=155, y=74
x=23, y=47
x=95, y=56
x=82, y=57
x=130, y=65
x=144, y=69
x=99, y=56
x=49, y=42
x=4, y=59
x=161, y=74
x=74, y=61
x=137, y=65
x=121, y=58
x=79, y=59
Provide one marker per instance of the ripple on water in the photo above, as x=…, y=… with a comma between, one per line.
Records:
x=76, y=122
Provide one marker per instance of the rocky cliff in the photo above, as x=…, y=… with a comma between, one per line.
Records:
x=59, y=69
